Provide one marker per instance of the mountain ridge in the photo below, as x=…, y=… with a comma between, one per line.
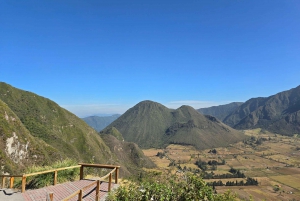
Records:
x=220, y=111
x=151, y=124
x=278, y=113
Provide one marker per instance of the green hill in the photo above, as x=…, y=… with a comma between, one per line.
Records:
x=150, y=124
x=56, y=126
x=278, y=113
x=18, y=146
x=35, y=130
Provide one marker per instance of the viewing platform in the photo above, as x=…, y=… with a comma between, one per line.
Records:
x=95, y=189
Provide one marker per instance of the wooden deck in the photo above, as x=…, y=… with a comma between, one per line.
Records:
x=61, y=191
x=84, y=189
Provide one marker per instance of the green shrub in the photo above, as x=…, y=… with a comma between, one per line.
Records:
x=169, y=187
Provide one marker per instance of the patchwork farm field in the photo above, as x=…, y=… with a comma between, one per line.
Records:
x=272, y=160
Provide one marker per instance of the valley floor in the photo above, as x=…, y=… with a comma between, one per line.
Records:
x=273, y=160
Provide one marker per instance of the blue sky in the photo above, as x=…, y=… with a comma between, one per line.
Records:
x=95, y=57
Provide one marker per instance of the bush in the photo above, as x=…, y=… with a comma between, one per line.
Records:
x=168, y=187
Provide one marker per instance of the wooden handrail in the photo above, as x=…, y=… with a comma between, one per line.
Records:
x=99, y=165
x=11, y=175
x=45, y=172
x=107, y=175
x=114, y=167
x=53, y=170
x=89, y=185
x=11, y=180
x=80, y=192
x=72, y=195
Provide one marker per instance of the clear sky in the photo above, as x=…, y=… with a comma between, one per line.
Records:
x=98, y=57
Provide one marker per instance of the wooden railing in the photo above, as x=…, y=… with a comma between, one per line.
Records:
x=11, y=180
x=115, y=169
x=79, y=193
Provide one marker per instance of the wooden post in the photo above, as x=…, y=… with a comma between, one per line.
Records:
x=50, y=196
x=109, y=183
x=11, y=182
x=55, y=178
x=81, y=172
x=116, y=175
x=23, y=183
x=98, y=191
x=80, y=195
x=3, y=182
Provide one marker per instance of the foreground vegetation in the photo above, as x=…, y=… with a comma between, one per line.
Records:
x=173, y=187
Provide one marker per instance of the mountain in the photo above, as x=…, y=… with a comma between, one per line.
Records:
x=60, y=129
x=36, y=131
x=220, y=111
x=99, y=123
x=150, y=124
x=18, y=146
x=279, y=113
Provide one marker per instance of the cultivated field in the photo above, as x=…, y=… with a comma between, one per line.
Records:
x=273, y=160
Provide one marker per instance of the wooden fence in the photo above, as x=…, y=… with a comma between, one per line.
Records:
x=115, y=170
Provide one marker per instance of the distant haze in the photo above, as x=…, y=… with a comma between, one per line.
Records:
x=83, y=111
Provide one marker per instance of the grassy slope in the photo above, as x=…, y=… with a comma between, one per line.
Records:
x=202, y=131
x=144, y=123
x=128, y=155
x=56, y=126
x=29, y=150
